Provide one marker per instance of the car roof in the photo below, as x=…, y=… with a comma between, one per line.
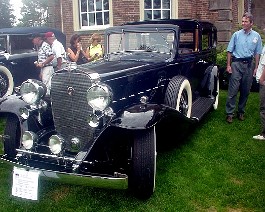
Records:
x=33, y=30
x=141, y=27
x=182, y=23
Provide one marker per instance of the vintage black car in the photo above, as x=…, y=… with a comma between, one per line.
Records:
x=103, y=120
x=17, y=55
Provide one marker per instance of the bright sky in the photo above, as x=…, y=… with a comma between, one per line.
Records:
x=16, y=4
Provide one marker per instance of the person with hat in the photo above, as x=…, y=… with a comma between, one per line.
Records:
x=45, y=58
x=57, y=49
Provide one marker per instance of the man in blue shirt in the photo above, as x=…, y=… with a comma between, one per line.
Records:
x=245, y=44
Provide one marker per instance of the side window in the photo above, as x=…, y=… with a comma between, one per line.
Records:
x=157, y=9
x=94, y=13
x=20, y=44
x=3, y=44
x=205, y=41
x=209, y=39
x=186, y=42
x=214, y=39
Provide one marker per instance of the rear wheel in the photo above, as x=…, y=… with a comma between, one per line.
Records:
x=6, y=82
x=178, y=95
x=11, y=136
x=142, y=178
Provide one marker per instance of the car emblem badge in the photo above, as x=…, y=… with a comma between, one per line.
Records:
x=70, y=91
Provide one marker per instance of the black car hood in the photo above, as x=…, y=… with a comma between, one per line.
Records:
x=126, y=63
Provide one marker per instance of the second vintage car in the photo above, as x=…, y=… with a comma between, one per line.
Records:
x=103, y=121
x=18, y=54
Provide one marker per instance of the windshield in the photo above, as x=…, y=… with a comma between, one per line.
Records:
x=141, y=41
x=20, y=44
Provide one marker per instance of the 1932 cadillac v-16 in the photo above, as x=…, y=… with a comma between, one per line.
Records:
x=102, y=122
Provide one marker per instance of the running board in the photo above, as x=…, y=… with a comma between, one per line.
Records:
x=200, y=107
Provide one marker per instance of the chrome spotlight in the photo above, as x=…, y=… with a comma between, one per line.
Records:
x=28, y=139
x=93, y=120
x=55, y=144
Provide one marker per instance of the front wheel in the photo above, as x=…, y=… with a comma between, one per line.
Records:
x=142, y=178
x=11, y=136
x=6, y=82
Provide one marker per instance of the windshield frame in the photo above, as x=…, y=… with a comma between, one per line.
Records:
x=141, y=32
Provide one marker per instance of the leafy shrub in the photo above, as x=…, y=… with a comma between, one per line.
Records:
x=221, y=56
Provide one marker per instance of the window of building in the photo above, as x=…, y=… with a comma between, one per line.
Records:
x=157, y=9
x=94, y=14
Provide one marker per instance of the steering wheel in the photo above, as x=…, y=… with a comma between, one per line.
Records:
x=158, y=46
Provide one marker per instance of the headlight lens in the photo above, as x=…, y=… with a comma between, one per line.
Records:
x=32, y=91
x=55, y=144
x=99, y=96
x=28, y=139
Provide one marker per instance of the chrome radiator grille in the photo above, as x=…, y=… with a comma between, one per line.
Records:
x=70, y=108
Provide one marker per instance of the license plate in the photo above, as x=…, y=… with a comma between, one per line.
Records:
x=25, y=183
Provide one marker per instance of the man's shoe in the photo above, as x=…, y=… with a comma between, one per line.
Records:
x=241, y=117
x=259, y=137
x=229, y=119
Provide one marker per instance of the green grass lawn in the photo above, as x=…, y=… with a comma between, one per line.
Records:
x=219, y=167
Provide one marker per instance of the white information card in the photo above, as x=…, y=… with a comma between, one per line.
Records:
x=25, y=183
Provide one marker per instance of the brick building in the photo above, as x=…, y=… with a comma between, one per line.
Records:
x=88, y=16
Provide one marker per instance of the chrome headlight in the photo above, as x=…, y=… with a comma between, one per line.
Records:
x=28, y=139
x=99, y=96
x=32, y=91
x=55, y=144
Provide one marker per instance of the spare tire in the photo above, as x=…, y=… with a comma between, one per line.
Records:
x=6, y=82
x=178, y=95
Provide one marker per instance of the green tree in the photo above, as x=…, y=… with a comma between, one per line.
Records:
x=7, y=19
x=34, y=13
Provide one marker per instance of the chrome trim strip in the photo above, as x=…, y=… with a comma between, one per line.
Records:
x=20, y=151
x=119, y=181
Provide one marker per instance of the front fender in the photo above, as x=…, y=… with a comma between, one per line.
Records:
x=145, y=116
x=11, y=104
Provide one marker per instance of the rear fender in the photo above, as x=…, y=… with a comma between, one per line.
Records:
x=208, y=84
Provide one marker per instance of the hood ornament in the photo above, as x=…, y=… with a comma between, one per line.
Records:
x=70, y=91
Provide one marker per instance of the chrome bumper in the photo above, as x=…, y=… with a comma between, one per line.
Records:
x=119, y=182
